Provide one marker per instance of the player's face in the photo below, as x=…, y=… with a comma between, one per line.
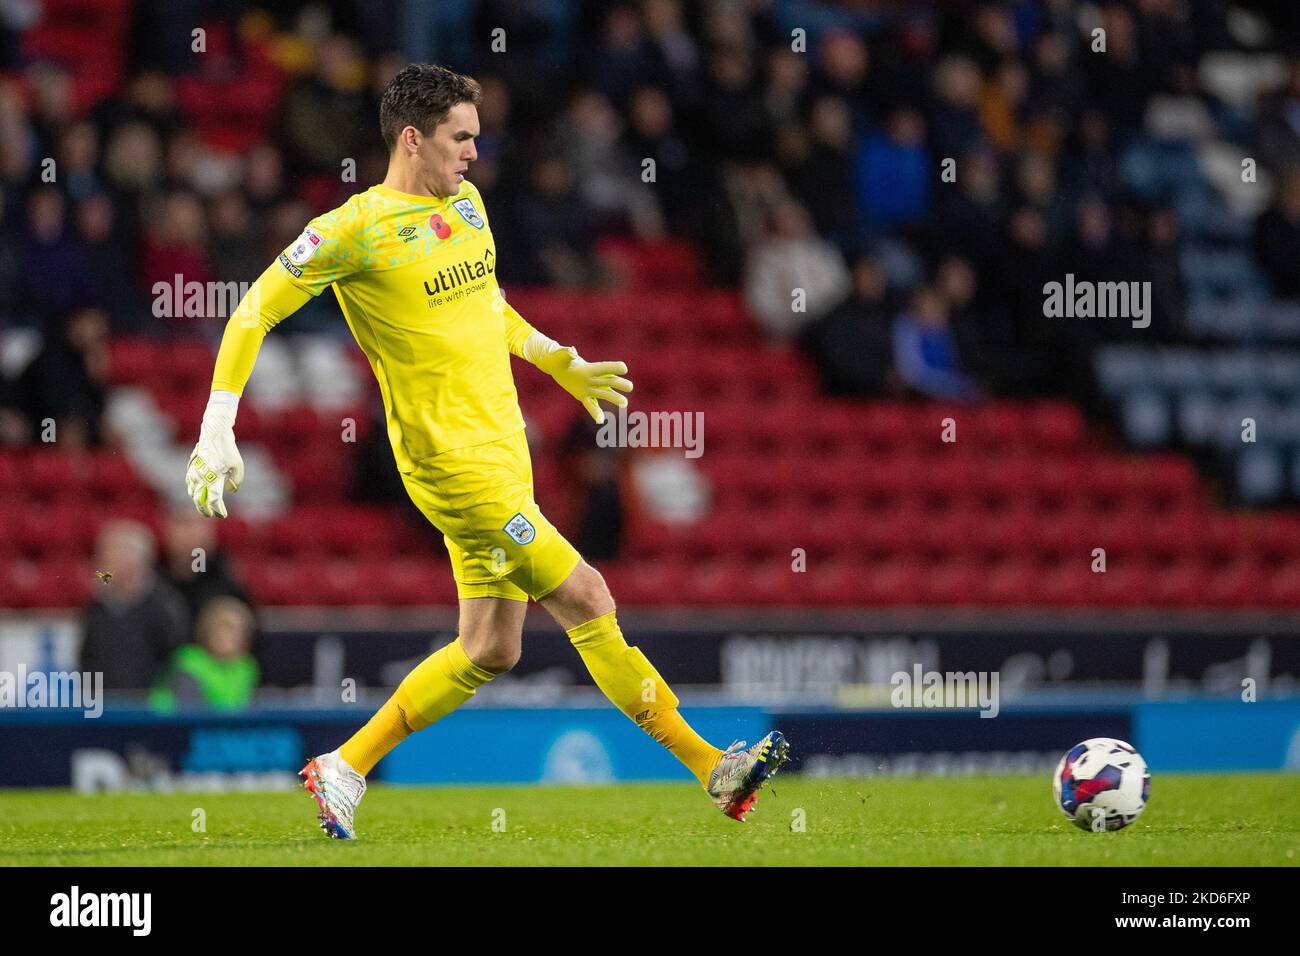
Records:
x=447, y=153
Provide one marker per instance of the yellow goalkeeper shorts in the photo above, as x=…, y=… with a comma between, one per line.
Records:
x=481, y=499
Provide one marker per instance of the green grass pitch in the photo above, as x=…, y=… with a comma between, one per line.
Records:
x=1192, y=820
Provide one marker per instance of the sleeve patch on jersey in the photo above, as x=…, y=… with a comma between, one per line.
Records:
x=467, y=212
x=293, y=269
x=305, y=247
x=521, y=529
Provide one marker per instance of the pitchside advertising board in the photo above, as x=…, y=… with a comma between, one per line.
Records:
x=771, y=663
x=134, y=749
x=799, y=664
x=127, y=749
x=833, y=692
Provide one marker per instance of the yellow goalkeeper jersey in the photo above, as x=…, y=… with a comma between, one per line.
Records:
x=416, y=279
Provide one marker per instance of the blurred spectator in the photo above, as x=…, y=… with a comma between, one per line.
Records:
x=111, y=265
x=133, y=165
x=1089, y=163
x=844, y=62
x=732, y=112
x=136, y=619
x=15, y=17
x=623, y=59
x=651, y=134
x=893, y=172
x=149, y=100
x=324, y=115
x=1161, y=265
x=50, y=96
x=216, y=671
x=500, y=161
x=595, y=478
x=66, y=382
x=955, y=121
x=793, y=277
x=1118, y=82
x=1093, y=251
x=376, y=479
x=263, y=184
x=925, y=352
x=78, y=160
x=607, y=177
x=175, y=244
x=785, y=95
x=547, y=34
x=236, y=252
x=752, y=190
x=820, y=169
x=1003, y=338
x=560, y=227
x=197, y=578
x=1277, y=235
x=1278, y=133
x=1037, y=186
x=1056, y=89
x=11, y=264
x=1002, y=106
x=852, y=346
x=988, y=37
x=55, y=271
x=676, y=49
x=967, y=215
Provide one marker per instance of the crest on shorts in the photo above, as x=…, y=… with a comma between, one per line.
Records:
x=467, y=212
x=521, y=529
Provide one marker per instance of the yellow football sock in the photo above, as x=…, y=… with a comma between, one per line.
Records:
x=384, y=731
x=438, y=685
x=632, y=684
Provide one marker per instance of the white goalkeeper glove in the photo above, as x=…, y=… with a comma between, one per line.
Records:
x=215, y=466
x=588, y=382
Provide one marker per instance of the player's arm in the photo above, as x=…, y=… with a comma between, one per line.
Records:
x=588, y=382
x=215, y=465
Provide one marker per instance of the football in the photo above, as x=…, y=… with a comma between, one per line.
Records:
x=1102, y=784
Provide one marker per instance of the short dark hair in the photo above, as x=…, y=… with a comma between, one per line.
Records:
x=421, y=95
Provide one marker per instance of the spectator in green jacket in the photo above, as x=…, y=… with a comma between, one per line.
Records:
x=217, y=671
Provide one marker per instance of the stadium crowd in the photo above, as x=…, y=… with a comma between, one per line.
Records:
x=796, y=145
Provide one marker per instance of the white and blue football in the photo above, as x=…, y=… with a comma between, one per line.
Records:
x=1102, y=784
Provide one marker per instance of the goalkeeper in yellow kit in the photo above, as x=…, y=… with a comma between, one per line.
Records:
x=413, y=264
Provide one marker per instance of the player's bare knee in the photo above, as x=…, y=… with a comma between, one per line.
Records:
x=497, y=656
x=601, y=601
x=588, y=594
x=501, y=660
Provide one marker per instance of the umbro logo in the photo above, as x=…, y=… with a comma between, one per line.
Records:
x=408, y=233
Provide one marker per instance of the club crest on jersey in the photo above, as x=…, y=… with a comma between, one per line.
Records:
x=521, y=529
x=302, y=250
x=467, y=212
